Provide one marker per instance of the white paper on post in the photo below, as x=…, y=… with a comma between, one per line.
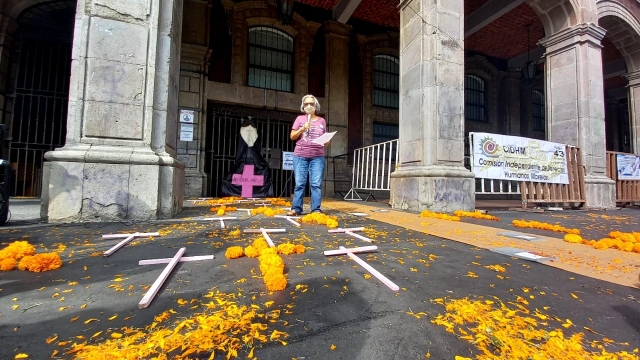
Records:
x=324, y=138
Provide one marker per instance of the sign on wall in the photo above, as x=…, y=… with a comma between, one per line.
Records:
x=516, y=158
x=186, y=132
x=186, y=116
x=287, y=160
x=628, y=167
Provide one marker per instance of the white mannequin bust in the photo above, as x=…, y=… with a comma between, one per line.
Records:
x=249, y=134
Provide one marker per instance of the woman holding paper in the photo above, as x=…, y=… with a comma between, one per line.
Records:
x=308, y=155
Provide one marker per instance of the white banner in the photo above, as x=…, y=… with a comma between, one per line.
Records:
x=628, y=167
x=516, y=158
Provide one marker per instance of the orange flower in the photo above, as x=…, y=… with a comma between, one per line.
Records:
x=251, y=252
x=234, y=252
x=321, y=219
x=17, y=250
x=7, y=264
x=40, y=262
x=286, y=249
x=573, y=238
x=475, y=214
x=260, y=243
x=441, y=216
x=544, y=226
x=275, y=280
x=299, y=249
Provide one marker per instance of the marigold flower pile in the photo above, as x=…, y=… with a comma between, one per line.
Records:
x=23, y=255
x=544, y=226
x=223, y=326
x=223, y=200
x=271, y=264
x=279, y=202
x=267, y=211
x=442, y=216
x=320, y=218
x=222, y=209
x=514, y=332
x=475, y=214
x=629, y=242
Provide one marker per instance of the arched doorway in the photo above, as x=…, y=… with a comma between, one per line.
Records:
x=42, y=56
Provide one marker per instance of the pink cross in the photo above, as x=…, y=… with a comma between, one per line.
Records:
x=247, y=180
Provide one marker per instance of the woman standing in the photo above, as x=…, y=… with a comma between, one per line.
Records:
x=308, y=157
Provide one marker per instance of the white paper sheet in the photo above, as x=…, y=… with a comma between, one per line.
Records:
x=324, y=138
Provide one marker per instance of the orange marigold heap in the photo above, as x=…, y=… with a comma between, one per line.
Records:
x=286, y=249
x=544, y=226
x=272, y=268
x=234, y=252
x=442, y=216
x=251, y=252
x=17, y=250
x=629, y=242
x=320, y=218
x=279, y=202
x=267, y=211
x=8, y=264
x=475, y=214
x=40, y=262
x=573, y=238
x=222, y=209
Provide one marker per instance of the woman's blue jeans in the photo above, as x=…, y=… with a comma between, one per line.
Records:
x=314, y=168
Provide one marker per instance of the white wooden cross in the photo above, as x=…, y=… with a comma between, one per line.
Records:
x=290, y=219
x=371, y=270
x=221, y=219
x=351, y=233
x=128, y=237
x=182, y=259
x=153, y=290
x=351, y=250
x=265, y=233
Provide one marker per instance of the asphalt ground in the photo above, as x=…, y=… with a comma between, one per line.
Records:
x=593, y=225
x=361, y=318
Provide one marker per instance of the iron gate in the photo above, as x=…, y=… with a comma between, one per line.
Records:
x=39, y=124
x=223, y=132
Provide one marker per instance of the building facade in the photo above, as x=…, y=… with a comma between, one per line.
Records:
x=94, y=93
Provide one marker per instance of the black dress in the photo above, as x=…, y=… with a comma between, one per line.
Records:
x=248, y=155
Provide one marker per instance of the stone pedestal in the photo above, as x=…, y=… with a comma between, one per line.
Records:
x=119, y=161
x=634, y=110
x=431, y=173
x=575, y=103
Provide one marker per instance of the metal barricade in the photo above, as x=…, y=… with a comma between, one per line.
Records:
x=372, y=168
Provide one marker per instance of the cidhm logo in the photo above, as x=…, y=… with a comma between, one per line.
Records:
x=489, y=146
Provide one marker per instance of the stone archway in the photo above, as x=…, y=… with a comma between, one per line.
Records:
x=623, y=29
x=557, y=15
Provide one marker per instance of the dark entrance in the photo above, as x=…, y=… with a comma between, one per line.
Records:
x=223, y=131
x=43, y=56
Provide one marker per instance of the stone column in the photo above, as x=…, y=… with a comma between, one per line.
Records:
x=336, y=106
x=512, y=85
x=575, y=103
x=431, y=173
x=119, y=161
x=634, y=109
